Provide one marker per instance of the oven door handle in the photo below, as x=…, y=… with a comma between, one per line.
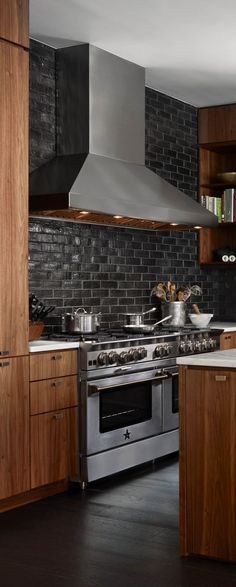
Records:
x=93, y=389
x=171, y=374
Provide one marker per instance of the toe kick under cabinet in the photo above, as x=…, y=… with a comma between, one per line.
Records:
x=53, y=417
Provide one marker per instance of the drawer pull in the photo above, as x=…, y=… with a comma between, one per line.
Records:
x=56, y=383
x=56, y=357
x=58, y=417
x=4, y=353
x=4, y=364
x=220, y=377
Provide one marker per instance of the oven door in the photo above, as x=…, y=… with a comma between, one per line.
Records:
x=171, y=399
x=121, y=410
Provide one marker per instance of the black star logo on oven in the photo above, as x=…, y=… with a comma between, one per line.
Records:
x=126, y=435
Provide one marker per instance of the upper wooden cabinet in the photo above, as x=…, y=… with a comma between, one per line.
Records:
x=13, y=200
x=217, y=155
x=217, y=124
x=14, y=21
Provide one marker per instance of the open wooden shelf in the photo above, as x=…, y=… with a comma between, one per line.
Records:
x=217, y=154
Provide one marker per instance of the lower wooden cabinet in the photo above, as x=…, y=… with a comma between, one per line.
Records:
x=208, y=462
x=227, y=340
x=54, y=446
x=53, y=417
x=14, y=426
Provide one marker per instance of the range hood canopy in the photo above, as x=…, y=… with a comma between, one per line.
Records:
x=99, y=173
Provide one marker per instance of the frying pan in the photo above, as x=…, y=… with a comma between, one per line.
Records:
x=144, y=328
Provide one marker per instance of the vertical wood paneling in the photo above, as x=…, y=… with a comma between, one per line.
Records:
x=14, y=200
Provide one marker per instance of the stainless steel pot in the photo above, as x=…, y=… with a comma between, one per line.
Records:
x=81, y=322
x=136, y=318
x=177, y=311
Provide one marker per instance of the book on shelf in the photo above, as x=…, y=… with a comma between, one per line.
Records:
x=213, y=204
x=229, y=205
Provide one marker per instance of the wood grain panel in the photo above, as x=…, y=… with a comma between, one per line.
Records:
x=182, y=463
x=14, y=200
x=49, y=448
x=73, y=442
x=14, y=428
x=210, y=417
x=211, y=239
x=217, y=124
x=14, y=21
x=227, y=341
x=53, y=394
x=53, y=364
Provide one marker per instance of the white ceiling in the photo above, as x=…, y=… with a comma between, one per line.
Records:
x=188, y=47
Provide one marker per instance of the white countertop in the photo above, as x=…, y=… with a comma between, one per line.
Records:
x=217, y=359
x=38, y=346
x=226, y=326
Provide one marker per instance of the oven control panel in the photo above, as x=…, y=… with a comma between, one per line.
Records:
x=117, y=354
x=122, y=358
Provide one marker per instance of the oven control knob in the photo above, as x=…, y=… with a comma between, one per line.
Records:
x=167, y=349
x=113, y=357
x=157, y=351
x=198, y=346
x=130, y=355
x=142, y=353
x=123, y=357
x=182, y=348
x=135, y=354
x=212, y=343
x=102, y=359
x=204, y=344
x=189, y=346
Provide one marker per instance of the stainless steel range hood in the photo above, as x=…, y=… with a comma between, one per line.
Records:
x=99, y=173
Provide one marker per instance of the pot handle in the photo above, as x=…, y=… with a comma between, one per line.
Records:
x=81, y=310
x=148, y=311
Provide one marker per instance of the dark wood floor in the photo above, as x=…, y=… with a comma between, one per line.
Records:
x=122, y=531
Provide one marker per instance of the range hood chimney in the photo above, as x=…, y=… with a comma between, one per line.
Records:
x=99, y=173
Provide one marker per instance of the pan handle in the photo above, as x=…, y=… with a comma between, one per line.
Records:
x=148, y=311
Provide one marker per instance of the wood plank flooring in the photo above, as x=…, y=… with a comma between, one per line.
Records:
x=121, y=531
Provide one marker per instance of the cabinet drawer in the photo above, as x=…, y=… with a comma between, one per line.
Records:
x=54, y=364
x=227, y=340
x=53, y=394
x=49, y=448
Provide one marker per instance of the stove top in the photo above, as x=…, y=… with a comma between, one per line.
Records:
x=106, y=336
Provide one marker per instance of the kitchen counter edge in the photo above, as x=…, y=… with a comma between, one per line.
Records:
x=39, y=346
x=224, y=359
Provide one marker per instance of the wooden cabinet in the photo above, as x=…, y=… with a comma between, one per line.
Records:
x=54, y=417
x=14, y=21
x=14, y=426
x=13, y=200
x=55, y=364
x=227, y=340
x=217, y=154
x=208, y=462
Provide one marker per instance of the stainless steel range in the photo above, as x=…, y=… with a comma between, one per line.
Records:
x=128, y=397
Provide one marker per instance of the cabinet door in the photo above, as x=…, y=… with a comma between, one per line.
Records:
x=228, y=341
x=217, y=125
x=51, y=365
x=49, y=448
x=14, y=21
x=53, y=394
x=13, y=200
x=14, y=426
x=210, y=452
